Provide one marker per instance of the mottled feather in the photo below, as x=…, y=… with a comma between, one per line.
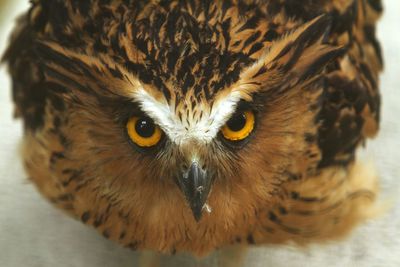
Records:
x=309, y=70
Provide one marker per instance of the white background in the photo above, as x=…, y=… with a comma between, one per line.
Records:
x=33, y=233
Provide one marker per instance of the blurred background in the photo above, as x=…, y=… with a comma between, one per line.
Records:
x=33, y=233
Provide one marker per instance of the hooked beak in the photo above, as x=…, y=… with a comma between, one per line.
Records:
x=195, y=184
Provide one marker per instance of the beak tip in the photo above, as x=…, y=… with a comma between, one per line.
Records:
x=195, y=184
x=197, y=217
x=197, y=213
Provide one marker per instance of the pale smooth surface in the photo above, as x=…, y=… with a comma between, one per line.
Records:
x=33, y=233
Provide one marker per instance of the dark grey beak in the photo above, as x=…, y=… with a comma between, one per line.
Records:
x=195, y=184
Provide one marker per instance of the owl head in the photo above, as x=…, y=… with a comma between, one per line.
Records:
x=157, y=113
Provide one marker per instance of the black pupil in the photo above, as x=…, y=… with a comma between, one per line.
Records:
x=237, y=122
x=145, y=127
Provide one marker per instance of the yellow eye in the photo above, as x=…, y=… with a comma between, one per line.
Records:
x=143, y=131
x=239, y=126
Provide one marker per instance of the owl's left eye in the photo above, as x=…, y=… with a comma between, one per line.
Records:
x=239, y=126
x=143, y=131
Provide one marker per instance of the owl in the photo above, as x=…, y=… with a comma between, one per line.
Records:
x=194, y=125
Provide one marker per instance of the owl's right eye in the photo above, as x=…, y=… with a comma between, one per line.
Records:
x=143, y=131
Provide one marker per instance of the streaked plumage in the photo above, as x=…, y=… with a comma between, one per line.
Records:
x=307, y=69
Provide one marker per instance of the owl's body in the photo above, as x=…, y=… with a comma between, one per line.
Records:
x=306, y=70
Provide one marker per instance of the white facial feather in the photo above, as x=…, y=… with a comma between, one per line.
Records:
x=204, y=129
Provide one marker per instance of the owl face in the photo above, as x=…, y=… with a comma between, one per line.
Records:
x=186, y=114
x=202, y=139
x=193, y=116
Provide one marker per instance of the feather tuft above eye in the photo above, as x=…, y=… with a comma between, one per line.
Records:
x=291, y=60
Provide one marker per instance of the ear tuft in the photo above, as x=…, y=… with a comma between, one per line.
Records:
x=293, y=59
x=312, y=35
x=315, y=30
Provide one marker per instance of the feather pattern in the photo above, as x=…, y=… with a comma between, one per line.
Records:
x=308, y=69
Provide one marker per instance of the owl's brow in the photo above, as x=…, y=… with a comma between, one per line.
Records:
x=89, y=74
x=104, y=78
x=180, y=130
x=94, y=76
